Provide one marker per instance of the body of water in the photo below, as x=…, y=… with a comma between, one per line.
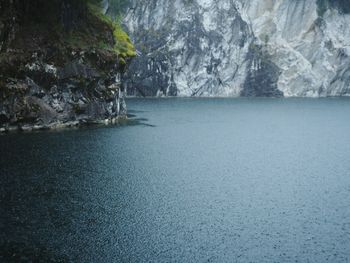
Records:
x=190, y=180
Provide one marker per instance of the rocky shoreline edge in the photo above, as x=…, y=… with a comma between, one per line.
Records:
x=62, y=125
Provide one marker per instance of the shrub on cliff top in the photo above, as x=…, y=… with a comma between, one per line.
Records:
x=123, y=45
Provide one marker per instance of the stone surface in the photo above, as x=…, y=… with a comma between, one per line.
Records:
x=54, y=75
x=26, y=106
x=204, y=48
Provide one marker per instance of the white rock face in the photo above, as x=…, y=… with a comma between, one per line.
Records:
x=312, y=53
x=233, y=48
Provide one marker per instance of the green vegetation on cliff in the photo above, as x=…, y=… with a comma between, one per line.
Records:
x=64, y=25
x=60, y=62
x=123, y=45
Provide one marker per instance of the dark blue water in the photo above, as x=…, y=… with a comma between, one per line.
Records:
x=193, y=180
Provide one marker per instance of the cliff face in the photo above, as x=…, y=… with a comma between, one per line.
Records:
x=240, y=48
x=60, y=65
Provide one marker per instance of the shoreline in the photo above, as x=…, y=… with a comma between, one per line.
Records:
x=55, y=126
x=235, y=97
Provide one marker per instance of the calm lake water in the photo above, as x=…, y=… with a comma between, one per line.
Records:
x=190, y=180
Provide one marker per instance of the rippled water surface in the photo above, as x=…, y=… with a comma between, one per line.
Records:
x=192, y=180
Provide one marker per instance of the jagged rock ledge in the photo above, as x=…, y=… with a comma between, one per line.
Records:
x=29, y=107
x=60, y=70
x=72, y=95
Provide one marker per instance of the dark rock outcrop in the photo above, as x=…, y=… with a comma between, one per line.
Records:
x=57, y=70
x=262, y=76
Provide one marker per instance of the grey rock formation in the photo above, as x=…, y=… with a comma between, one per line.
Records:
x=238, y=47
x=76, y=95
x=55, y=69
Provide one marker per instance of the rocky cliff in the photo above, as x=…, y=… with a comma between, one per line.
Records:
x=61, y=63
x=240, y=48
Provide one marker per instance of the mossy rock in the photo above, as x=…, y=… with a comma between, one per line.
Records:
x=122, y=43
